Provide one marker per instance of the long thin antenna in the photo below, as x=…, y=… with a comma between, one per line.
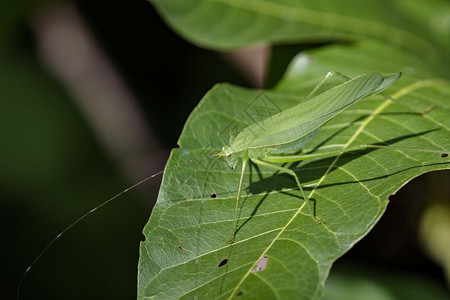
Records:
x=90, y=212
x=199, y=219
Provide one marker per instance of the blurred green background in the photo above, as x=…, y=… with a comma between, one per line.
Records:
x=93, y=96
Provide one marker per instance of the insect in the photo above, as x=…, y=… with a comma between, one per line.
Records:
x=260, y=216
x=264, y=143
x=267, y=142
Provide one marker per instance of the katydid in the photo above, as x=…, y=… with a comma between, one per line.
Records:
x=265, y=142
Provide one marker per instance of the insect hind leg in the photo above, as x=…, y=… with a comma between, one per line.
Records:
x=324, y=80
x=292, y=173
x=386, y=96
x=419, y=112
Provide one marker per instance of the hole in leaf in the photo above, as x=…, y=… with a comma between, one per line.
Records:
x=223, y=262
x=213, y=195
x=239, y=294
x=444, y=155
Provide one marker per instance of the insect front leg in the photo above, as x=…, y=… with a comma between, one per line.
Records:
x=238, y=197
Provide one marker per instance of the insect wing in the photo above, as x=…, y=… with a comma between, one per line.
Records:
x=300, y=120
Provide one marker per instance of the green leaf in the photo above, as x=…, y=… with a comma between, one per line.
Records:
x=186, y=254
x=433, y=15
x=233, y=23
x=418, y=28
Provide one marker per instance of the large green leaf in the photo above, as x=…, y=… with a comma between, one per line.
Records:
x=186, y=254
x=221, y=24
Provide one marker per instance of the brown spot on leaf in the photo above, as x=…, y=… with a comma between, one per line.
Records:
x=261, y=264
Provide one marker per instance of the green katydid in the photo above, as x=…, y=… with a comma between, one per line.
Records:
x=196, y=204
x=264, y=142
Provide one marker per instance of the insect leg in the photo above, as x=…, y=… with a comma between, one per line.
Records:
x=322, y=82
x=426, y=110
x=346, y=78
x=292, y=173
x=238, y=197
x=386, y=96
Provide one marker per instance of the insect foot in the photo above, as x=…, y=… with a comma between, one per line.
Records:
x=231, y=240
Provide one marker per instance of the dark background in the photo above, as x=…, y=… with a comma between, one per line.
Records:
x=54, y=167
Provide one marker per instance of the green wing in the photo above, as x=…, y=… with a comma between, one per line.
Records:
x=296, y=124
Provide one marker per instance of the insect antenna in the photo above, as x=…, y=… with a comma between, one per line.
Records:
x=43, y=251
x=200, y=213
x=209, y=171
x=203, y=193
